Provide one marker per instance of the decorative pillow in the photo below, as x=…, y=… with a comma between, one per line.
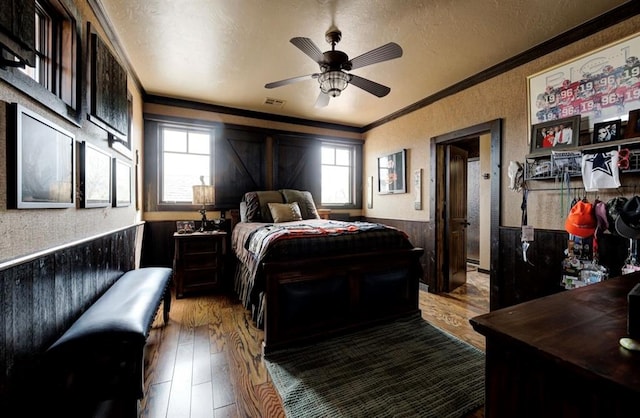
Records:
x=305, y=201
x=285, y=212
x=257, y=209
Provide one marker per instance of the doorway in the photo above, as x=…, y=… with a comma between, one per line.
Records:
x=445, y=211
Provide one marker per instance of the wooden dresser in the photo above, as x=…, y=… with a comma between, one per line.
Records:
x=199, y=261
x=559, y=356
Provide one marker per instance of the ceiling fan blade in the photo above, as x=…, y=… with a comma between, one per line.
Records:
x=322, y=100
x=369, y=86
x=290, y=81
x=307, y=46
x=384, y=53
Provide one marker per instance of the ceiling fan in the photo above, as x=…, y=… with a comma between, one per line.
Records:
x=333, y=76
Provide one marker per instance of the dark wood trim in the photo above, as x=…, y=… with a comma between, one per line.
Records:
x=268, y=131
x=612, y=17
x=435, y=277
x=207, y=107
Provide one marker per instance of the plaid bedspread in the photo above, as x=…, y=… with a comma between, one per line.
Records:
x=254, y=243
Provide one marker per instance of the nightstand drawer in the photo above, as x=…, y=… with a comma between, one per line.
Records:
x=201, y=278
x=196, y=261
x=201, y=246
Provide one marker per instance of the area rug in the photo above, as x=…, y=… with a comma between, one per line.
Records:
x=407, y=368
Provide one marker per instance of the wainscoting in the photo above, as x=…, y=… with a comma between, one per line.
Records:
x=518, y=281
x=515, y=281
x=41, y=296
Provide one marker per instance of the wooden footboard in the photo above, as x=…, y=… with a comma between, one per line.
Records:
x=313, y=298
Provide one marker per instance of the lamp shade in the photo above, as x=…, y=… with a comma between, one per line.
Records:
x=204, y=195
x=333, y=82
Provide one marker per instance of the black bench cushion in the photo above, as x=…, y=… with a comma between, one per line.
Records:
x=125, y=311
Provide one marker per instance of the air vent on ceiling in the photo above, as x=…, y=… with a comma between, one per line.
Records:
x=274, y=102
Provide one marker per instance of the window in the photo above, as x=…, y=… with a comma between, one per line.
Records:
x=55, y=37
x=338, y=166
x=186, y=161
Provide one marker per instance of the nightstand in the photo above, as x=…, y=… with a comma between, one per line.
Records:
x=198, y=263
x=324, y=213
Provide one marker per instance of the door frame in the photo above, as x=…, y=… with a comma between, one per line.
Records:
x=437, y=204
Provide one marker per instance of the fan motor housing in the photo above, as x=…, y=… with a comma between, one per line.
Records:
x=336, y=60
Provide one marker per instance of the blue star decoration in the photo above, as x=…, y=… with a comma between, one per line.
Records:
x=601, y=162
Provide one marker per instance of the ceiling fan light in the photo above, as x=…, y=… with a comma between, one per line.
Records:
x=333, y=82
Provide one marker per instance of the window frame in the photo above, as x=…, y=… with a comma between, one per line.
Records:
x=153, y=157
x=62, y=93
x=161, y=141
x=353, y=169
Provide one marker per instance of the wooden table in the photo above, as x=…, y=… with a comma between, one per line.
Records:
x=559, y=356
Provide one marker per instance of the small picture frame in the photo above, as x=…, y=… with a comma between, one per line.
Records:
x=606, y=131
x=121, y=183
x=633, y=125
x=555, y=134
x=95, y=177
x=417, y=189
x=185, y=227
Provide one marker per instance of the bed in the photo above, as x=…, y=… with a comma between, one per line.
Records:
x=306, y=278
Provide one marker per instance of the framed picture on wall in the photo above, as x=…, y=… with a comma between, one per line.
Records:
x=597, y=86
x=41, y=163
x=109, y=98
x=392, y=175
x=95, y=177
x=555, y=134
x=606, y=131
x=632, y=130
x=121, y=183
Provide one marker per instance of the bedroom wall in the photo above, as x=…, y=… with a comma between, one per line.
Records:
x=502, y=97
x=212, y=116
x=28, y=231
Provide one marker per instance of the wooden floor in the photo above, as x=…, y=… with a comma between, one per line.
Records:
x=207, y=361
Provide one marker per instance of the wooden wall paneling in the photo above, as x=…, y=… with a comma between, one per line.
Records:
x=158, y=245
x=240, y=165
x=417, y=231
x=520, y=281
x=44, y=301
x=40, y=298
x=297, y=164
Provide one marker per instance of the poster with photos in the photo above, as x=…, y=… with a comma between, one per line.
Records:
x=599, y=86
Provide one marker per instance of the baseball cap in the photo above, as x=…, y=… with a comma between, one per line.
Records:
x=581, y=221
x=628, y=222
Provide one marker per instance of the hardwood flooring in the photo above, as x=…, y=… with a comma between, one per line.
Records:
x=207, y=361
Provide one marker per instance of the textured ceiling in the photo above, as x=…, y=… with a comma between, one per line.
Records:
x=223, y=52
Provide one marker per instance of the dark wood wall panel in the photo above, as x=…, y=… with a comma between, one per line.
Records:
x=157, y=244
x=42, y=297
x=418, y=232
x=519, y=281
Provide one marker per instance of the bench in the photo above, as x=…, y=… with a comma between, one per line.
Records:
x=101, y=356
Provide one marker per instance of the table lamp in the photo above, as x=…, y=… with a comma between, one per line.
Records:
x=203, y=195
